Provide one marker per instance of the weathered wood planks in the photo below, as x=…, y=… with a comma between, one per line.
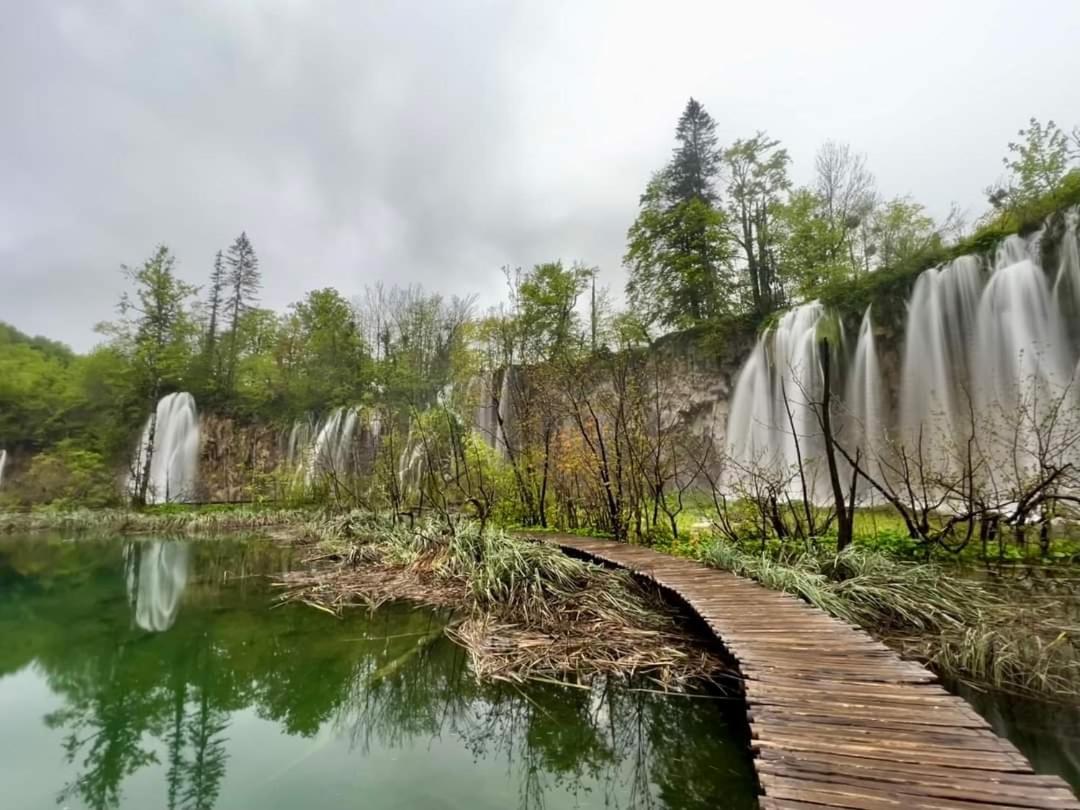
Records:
x=837, y=719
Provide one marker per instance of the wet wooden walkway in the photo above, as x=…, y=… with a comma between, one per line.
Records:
x=838, y=719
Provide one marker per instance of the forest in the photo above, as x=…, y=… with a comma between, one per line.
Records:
x=722, y=244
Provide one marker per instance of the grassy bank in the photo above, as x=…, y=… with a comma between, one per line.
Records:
x=960, y=627
x=154, y=520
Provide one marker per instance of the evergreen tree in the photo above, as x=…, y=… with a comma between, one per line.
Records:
x=695, y=164
x=217, y=290
x=209, y=366
x=244, y=281
x=678, y=249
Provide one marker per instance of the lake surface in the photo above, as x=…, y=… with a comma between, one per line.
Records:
x=154, y=674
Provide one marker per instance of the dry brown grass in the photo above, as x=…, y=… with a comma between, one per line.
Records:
x=524, y=609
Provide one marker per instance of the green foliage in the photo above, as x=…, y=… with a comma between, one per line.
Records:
x=757, y=171
x=1037, y=164
x=547, y=318
x=678, y=255
x=65, y=476
x=325, y=361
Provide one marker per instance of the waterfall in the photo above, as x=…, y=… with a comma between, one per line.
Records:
x=991, y=352
x=299, y=442
x=1067, y=280
x=941, y=321
x=157, y=573
x=174, y=451
x=865, y=396
x=3, y=463
x=782, y=373
x=343, y=443
x=1022, y=362
x=411, y=464
x=332, y=449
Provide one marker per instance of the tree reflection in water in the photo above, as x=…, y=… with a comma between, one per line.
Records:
x=135, y=700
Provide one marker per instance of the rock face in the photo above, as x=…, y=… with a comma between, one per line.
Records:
x=237, y=462
x=700, y=377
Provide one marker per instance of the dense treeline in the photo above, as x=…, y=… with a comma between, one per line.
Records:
x=723, y=236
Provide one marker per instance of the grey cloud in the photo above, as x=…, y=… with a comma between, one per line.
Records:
x=434, y=142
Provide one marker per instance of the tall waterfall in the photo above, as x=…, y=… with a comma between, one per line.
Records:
x=865, y=396
x=157, y=573
x=782, y=373
x=991, y=347
x=171, y=437
x=941, y=320
x=3, y=463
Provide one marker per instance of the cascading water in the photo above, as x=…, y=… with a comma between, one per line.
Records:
x=781, y=374
x=865, y=397
x=990, y=351
x=1022, y=362
x=299, y=442
x=331, y=451
x=343, y=443
x=941, y=321
x=3, y=463
x=171, y=439
x=411, y=464
x=157, y=574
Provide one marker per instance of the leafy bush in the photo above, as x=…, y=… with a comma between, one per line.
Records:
x=67, y=476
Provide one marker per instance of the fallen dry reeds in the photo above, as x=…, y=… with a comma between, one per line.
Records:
x=524, y=610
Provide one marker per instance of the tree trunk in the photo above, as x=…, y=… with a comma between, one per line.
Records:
x=844, y=516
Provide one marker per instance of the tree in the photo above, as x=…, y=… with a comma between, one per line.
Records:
x=679, y=259
x=899, y=229
x=757, y=169
x=214, y=304
x=694, y=167
x=848, y=195
x=153, y=331
x=244, y=282
x=677, y=252
x=547, y=298
x=1037, y=163
x=331, y=364
x=806, y=244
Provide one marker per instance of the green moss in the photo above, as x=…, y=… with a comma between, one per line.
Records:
x=888, y=289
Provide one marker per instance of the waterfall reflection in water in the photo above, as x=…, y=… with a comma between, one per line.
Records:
x=157, y=574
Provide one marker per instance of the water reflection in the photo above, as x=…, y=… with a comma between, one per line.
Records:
x=240, y=706
x=157, y=573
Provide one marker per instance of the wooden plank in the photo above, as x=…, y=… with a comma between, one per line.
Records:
x=837, y=718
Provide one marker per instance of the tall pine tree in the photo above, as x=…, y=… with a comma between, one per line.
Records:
x=214, y=304
x=695, y=163
x=678, y=249
x=243, y=283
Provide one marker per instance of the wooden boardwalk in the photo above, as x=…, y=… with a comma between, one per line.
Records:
x=838, y=719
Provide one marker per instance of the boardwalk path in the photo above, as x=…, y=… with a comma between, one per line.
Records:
x=837, y=718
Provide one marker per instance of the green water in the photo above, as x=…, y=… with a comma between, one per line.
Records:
x=154, y=674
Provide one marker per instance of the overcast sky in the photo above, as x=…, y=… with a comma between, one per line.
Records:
x=435, y=142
